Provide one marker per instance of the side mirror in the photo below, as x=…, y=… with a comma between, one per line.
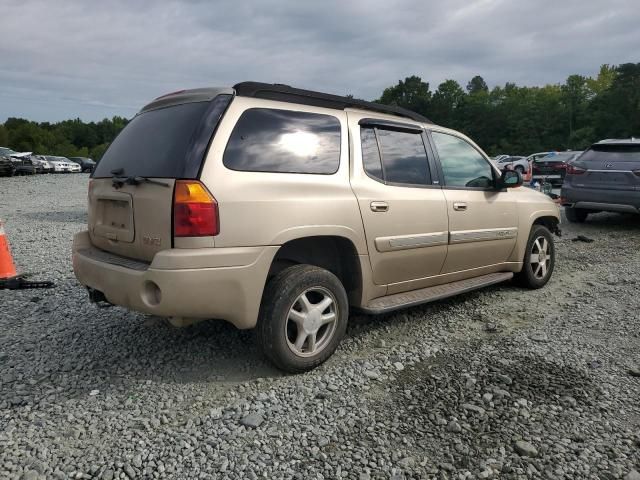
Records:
x=511, y=179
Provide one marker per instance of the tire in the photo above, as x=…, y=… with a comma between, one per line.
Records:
x=575, y=215
x=536, y=274
x=519, y=168
x=283, y=314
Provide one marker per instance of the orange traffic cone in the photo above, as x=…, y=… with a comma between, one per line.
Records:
x=9, y=278
x=7, y=267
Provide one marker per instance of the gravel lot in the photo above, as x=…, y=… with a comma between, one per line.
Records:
x=497, y=383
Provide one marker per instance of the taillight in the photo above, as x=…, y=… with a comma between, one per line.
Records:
x=195, y=211
x=573, y=170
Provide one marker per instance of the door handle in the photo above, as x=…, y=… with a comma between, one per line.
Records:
x=379, y=206
x=459, y=206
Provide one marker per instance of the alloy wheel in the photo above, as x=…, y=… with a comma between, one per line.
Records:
x=311, y=322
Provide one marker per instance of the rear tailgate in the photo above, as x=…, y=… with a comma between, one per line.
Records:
x=609, y=167
x=133, y=221
x=131, y=192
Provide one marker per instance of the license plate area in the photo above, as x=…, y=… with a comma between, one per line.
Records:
x=617, y=178
x=114, y=218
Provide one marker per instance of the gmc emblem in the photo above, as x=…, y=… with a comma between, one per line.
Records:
x=151, y=241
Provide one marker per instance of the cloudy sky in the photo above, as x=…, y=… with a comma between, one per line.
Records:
x=94, y=59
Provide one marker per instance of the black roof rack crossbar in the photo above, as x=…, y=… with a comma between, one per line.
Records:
x=285, y=93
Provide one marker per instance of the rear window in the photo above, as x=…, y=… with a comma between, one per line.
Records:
x=284, y=141
x=168, y=142
x=612, y=153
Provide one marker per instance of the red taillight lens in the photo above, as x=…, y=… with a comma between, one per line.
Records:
x=573, y=170
x=195, y=211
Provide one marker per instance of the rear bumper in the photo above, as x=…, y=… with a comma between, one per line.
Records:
x=604, y=200
x=224, y=283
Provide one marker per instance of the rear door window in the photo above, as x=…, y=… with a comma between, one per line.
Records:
x=394, y=156
x=167, y=142
x=284, y=141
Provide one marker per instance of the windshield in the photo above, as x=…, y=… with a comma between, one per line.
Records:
x=558, y=157
x=6, y=151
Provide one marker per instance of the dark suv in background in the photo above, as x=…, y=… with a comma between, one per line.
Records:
x=605, y=178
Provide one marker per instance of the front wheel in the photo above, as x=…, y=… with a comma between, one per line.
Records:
x=303, y=317
x=539, y=259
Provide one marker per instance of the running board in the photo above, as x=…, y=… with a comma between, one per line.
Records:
x=431, y=294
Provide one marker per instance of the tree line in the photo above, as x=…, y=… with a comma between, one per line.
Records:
x=523, y=120
x=506, y=119
x=69, y=138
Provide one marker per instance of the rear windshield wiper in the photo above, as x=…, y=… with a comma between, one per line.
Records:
x=132, y=180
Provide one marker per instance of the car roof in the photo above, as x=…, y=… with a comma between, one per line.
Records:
x=281, y=93
x=618, y=141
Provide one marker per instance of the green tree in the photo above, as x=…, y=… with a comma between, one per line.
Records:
x=477, y=85
x=412, y=93
x=446, y=99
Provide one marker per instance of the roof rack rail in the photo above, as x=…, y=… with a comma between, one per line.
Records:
x=285, y=93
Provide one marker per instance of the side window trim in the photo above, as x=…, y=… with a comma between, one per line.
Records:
x=441, y=171
x=437, y=176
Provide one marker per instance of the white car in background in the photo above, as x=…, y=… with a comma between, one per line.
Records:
x=74, y=167
x=513, y=163
x=59, y=164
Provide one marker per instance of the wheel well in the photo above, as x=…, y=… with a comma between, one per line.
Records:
x=333, y=253
x=550, y=222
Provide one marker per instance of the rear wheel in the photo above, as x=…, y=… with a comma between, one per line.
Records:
x=303, y=317
x=539, y=259
x=575, y=215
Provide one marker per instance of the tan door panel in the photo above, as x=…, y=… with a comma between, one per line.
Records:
x=406, y=227
x=484, y=232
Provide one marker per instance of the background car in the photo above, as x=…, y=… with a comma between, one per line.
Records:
x=41, y=164
x=74, y=167
x=553, y=167
x=7, y=169
x=60, y=164
x=606, y=177
x=25, y=166
x=87, y=164
x=535, y=156
x=515, y=162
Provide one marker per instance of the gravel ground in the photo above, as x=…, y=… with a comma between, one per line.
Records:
x=501, y=382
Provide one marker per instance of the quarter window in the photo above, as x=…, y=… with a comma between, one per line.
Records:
x=395, y=157
x=284, y=141
x=370, y=153
x=462, y=164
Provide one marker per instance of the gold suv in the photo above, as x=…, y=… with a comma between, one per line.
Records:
x=283, y=209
